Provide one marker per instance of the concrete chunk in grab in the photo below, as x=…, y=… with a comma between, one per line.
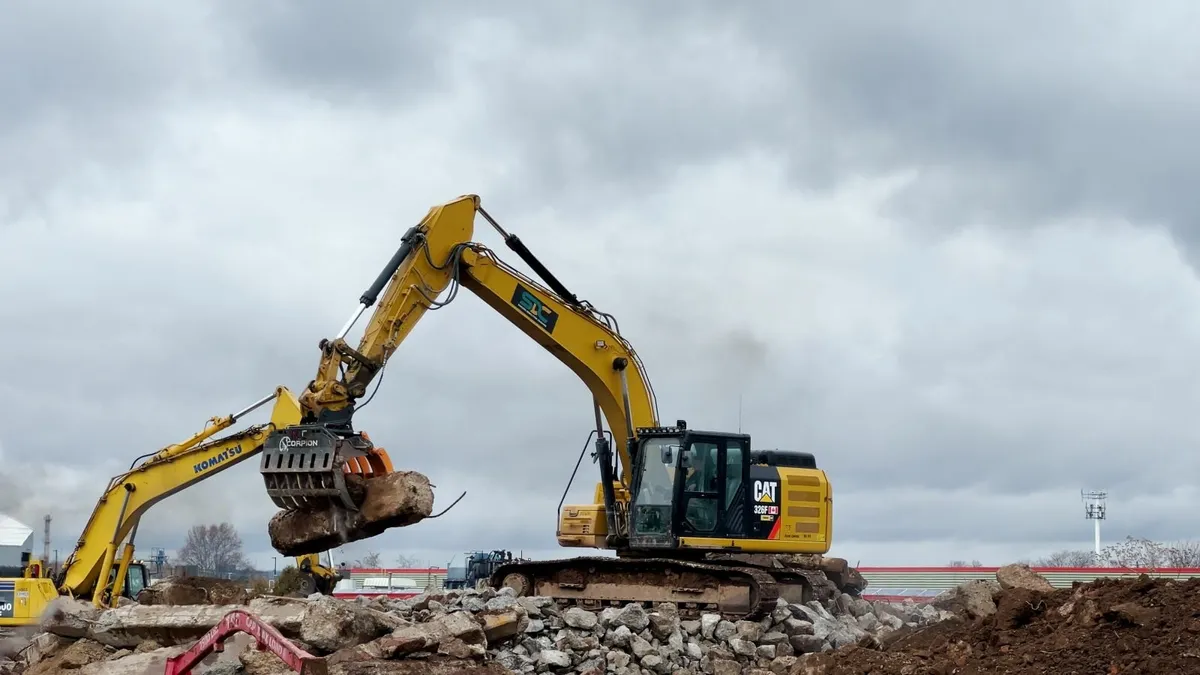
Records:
x=396, y=499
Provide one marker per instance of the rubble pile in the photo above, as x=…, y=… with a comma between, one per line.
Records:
x=1017, y=624
x=636, y=640
x=466, y=632
x=1020, y=625
x=194, y=591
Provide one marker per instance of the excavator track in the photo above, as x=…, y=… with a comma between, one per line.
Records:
x=732, y=590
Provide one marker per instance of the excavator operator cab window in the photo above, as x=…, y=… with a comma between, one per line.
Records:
x=136, y=580
x=653, y=503
x=701, y=488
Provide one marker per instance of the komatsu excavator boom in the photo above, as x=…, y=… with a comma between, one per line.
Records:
x=696, y=517
x=101, y=568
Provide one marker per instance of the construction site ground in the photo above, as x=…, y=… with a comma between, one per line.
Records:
x=1111, y=627
x=1017, y=624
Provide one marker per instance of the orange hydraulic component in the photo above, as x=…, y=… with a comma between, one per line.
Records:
x=375, y=463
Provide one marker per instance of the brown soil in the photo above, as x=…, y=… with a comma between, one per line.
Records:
x=1107, y=627
x=194, y=591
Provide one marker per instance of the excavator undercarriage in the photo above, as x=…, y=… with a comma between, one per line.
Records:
x=736, y=586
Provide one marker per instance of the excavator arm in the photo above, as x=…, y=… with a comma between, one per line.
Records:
x=582, y=339
x=107, y=541
x=437, y=254
x=301, y=465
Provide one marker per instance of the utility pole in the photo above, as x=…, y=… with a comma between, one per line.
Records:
x=1095, y=509
x=46, y=542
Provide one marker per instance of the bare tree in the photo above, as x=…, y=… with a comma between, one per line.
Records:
x=405, y=561
x=1068, y=558
x=1184, y=554
x=215, y=549
x=1131, y=552
x=1137, y=552
x=964, y=563
x=370, y=559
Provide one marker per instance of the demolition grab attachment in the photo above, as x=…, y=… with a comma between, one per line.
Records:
x=306, y=467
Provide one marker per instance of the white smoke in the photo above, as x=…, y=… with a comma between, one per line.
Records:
x=30, y=490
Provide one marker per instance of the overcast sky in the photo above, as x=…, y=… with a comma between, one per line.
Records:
x=951, y=250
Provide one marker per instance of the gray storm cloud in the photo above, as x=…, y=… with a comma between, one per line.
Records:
x=947, y=248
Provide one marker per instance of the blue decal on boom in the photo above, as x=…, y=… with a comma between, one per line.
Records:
x=534, y=308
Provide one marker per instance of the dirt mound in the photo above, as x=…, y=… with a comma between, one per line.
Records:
x=1108, y=627
x=194, y=591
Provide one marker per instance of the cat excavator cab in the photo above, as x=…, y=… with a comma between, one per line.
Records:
x=701, y=518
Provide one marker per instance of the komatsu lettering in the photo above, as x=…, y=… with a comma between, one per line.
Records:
x=217, y=459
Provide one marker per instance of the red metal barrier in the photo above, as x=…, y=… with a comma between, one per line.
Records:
x=266, y=638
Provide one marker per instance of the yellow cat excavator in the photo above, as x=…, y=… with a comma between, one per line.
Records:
x=699, y=518
x=102, y=568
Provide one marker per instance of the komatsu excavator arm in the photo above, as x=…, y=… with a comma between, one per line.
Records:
x=176, y=467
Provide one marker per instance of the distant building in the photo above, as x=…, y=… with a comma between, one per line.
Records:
x=15, y=539
x=392, y=582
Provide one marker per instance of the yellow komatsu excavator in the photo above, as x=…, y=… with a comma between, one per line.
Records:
x=102, y=568
x=699, y=518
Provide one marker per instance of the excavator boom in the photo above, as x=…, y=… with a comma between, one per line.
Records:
x=301, y=465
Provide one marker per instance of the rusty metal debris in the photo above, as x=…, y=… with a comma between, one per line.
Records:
x=266, y=637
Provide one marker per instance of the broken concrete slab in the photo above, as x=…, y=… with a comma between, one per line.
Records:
x=134, y=664
x=396, y=499
x=256, y=662
x=503, y=624
x=167, y=625
x=43, y=646
x=1021, y=576
x=422, y=637
x=973, y=599
x=71, y=657
x=68, y=617
x=323, y=625
x=329, y=624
